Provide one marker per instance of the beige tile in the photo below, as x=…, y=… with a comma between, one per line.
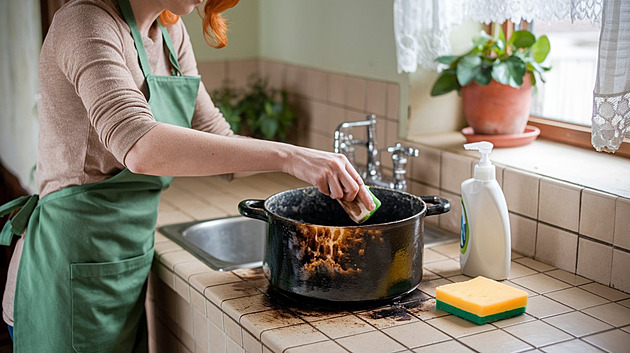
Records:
x=431, y=255
x=218, y=339
x=376, y=97
x=296, y=80
x=356, y=91
x=597, y=215
x=451, y=249
x=530, y=292
x=416, y=334
x=240, y=71
x=559, y=204
x=342, y=326
x=622, y=223
x=517, y=270
x=457, y=327
x=426, y=167
x=498, y=175
x=568, y=277
x=211, y=278
x=541, y=307
x=310, y=315
x=317, y=84
x=319, y=347
x=577, y=298
x=282, y=338
x=523, y=234
x=235, y=308
x=444, y=268
x=540, y=283
x=521, y=192
x=393, y=101
x=428, y=287
x=571, y=346
x=620, y=277
x=250, y=343
x=513, y=321
x=451, y=221
x=374, y=341
x=336, y=89
x=165, y=247
x=448, y=346
x=556, y=247
x=390, y=140
x=256, y=323
x=274, y=72
x=605, y=291
x=182, y=288
x=427, y=311
x=495, y=341
x=200, y=329
x=222, y=292
x=198, y=300
x=212, y=74
x=459, y=278
x=164, y=274
x=594, y=261
x=625, y=303
x=536, y=265
x=384, y=317
x=611, y=341
x=578, y=324
x=232, y=347
x=612, y=313
x=232, y=330
x=187, y=269
x=214, y=314
x=454, y=169
x=537, y=333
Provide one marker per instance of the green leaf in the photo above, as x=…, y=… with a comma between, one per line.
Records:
x=522, y=39
x=484, y=76
x=500, y=72
x=516, y=70
x=445, y=83
x=268, y=127
x=469, y=66
x=481, y=40
x=447, y=59
x=541, y=48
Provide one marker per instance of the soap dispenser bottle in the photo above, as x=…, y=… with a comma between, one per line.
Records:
x=485, y=227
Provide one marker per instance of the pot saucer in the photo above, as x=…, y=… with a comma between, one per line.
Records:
x=511, y=140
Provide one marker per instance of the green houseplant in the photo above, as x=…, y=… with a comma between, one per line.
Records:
x=256, y=110
x=495, y=79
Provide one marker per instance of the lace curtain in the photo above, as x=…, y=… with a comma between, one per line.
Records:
x=422, y=33
x=611, y=106
x=20, y=40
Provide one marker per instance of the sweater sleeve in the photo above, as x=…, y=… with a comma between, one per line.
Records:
x=91, y=56
x=207, y=116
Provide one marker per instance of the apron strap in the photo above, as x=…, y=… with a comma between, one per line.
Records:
x=17, y=224
x=177, y=71
x=127, y=13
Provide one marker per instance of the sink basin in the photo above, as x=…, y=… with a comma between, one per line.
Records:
x=232, y=243
x=224, y=244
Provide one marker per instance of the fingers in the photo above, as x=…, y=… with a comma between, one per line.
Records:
x=364, y=196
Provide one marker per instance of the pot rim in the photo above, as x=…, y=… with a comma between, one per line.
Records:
x=367, y=226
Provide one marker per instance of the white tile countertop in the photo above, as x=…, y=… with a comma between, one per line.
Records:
x=193, y=308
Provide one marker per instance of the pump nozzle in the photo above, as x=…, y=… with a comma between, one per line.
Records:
x=484, y=170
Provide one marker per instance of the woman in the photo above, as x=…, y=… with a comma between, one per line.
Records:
x=122, y=108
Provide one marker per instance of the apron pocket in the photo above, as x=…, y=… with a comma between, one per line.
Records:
x=107, y=303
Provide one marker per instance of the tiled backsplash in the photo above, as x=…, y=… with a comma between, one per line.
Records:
x=574, y=228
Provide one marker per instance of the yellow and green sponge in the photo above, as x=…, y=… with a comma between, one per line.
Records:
x=481, y=300
x=357, y=211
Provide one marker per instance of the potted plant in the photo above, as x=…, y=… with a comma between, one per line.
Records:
x=256, y=110
x=495, y=79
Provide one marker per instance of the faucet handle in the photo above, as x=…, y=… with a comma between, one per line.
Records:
x=398, y=149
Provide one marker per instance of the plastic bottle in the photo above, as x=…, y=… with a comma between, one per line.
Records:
x=485, y=245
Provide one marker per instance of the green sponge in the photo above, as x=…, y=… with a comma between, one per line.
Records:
x=357, y=211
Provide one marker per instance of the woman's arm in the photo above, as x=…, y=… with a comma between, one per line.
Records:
x=175, y=151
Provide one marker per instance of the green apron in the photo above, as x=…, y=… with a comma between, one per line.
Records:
x=88, y=249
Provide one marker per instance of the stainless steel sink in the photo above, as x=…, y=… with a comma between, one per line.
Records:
x=224, y=244
x=231, y=243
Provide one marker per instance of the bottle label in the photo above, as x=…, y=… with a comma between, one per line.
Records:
x=464, y=231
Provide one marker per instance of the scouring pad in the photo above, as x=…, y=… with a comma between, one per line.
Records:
x=481, y=300
x=357, y=210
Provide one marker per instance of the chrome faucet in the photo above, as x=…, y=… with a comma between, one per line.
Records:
x=372, y=175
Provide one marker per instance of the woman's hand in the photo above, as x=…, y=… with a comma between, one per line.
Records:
x=331, y=173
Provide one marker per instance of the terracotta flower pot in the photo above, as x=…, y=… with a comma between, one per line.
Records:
x=497, y=109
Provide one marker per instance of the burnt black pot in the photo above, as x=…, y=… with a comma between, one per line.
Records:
x=315, y=251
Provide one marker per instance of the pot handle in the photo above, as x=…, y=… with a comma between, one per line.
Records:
x=438, y=205
x=253, y=209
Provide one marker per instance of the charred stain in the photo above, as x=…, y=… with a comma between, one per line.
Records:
x=396, y=313
x=401, y=310
x=332, y=250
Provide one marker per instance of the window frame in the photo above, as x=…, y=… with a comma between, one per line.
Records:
x=559, y=131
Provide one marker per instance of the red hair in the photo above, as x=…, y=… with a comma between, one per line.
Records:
x=214, y=25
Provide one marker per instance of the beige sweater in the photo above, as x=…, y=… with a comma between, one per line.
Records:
x=93, y=105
